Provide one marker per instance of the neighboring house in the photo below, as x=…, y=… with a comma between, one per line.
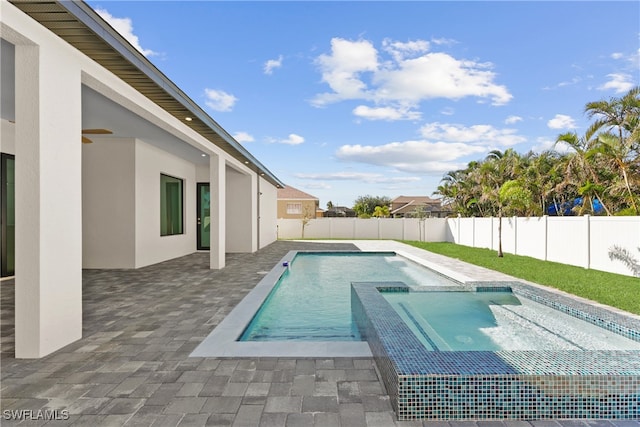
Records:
x=293, y=203
x=340, y=212
x=154, y=178
x=416, y=206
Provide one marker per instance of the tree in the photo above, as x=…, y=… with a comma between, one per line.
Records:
x=620, y=141
x=580, y=168
x=602, y=169
x=366, y=205
x=307, y=215
x=381, y=211
x=329, y=205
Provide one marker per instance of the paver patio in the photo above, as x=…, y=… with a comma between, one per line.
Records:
x=132, y=366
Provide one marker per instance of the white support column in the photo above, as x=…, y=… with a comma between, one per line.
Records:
x=255, y=212
x=217, y=187
x=48, y=299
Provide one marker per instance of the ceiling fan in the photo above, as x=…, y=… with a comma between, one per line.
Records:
x=86, y=140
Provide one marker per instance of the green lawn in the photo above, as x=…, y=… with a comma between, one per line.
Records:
x=607, y=288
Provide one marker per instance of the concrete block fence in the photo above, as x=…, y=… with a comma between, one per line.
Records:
x=583, y=241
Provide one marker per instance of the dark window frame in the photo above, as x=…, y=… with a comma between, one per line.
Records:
x=169, y=231
x=4, y=158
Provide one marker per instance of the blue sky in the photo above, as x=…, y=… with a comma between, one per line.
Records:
x=343, y=99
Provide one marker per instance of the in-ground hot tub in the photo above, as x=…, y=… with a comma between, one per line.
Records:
x=496, y=355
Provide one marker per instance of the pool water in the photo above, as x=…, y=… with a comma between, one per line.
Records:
x=312, y=300
x=492, y=321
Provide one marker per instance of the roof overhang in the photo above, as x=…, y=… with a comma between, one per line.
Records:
x=80, y=26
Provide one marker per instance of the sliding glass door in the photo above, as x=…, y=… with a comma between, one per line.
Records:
x=7, y=215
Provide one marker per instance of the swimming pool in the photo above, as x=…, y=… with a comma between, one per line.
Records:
x=311, y=301
x=464, y=384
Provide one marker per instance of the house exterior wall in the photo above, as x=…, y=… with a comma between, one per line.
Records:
x=151, y=247
x=241, y=212
x=268, y=213
x=121, y=204
x=8, y=139
x=108, y=204
x=307, y=206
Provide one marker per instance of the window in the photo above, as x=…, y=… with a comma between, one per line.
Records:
x=294, y=208
x=170, y=205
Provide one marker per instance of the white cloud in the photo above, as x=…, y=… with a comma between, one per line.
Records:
x=484, y=135
x=354, y=71
x=617, y=55
x=441, y=149
x=619, y=82
x=369, y=178
x=219, y=100
x=410, y=156
x=512, y=119
x=317, y=186
x=341, y=70
x=562, y=121
x=124, y=26
x=443, y=41
x=272, y=64
x=439, y=75
x=447, y=111
x=400, y=50
x=243, y=137
x=386, y=113
x=544, y=144
x=293, y=139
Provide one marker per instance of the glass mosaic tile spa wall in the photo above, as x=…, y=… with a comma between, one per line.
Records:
x=581, y=376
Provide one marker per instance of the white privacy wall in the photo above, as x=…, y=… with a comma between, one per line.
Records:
x=430, y=229
x=584, y=241
x=605, y=232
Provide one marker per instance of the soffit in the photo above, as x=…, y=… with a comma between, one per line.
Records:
x=81, y=27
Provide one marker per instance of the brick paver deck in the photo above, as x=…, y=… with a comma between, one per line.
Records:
x=132, y=366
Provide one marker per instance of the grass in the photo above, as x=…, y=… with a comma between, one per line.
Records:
x=611, y=289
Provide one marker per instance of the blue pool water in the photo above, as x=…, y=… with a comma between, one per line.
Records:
x=312, y=300
x=492, y=321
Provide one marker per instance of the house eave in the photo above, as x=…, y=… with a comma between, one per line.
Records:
x=80, y=26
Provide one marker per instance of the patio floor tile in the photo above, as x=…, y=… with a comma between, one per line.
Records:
x=132, y=366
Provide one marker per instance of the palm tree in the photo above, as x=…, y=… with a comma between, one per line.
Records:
x=619, y=155
x=620, y=141
x=619, y=114
x=579, y=166
x=381, y=211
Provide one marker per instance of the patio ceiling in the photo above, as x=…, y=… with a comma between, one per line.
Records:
x=79, y=25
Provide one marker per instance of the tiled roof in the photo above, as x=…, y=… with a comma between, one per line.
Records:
x=414, y=199
x=289, y=193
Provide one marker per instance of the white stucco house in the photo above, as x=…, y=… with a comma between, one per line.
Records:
x=113, y=165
